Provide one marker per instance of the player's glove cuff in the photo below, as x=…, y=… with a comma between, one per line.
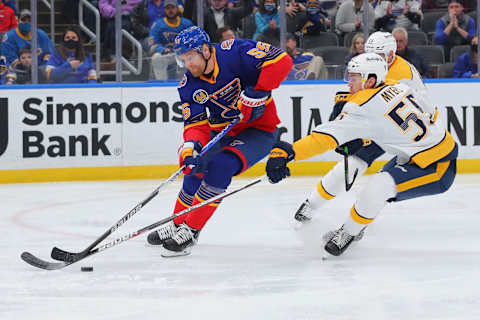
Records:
x=251, y=103
x=188, y=155
x=281, y=153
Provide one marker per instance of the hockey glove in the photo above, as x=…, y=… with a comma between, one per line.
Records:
x=251, y=103
x=352, y=147
x=188, y=156
x=281, y=154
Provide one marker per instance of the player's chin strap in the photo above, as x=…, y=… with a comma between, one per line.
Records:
x=206, y=60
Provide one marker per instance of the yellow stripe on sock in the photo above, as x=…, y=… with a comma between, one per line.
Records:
x=321, y=190
x=358, y=218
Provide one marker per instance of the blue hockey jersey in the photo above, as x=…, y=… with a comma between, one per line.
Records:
x=59, y=70
x=162, y=34
x=238, y=64
x=13, y=41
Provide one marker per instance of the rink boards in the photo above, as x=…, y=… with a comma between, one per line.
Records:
x=132, y=131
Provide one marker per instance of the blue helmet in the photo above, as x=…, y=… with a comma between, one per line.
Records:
x=190, y=39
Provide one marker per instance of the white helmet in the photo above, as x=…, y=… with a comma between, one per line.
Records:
x=381, y=42
x=367, y=64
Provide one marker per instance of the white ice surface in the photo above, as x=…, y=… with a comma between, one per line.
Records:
x=419, y=260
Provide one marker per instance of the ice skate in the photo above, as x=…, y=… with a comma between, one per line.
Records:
x=165, y=232
x=304, y=213
x=181, y=243
x=338, y=241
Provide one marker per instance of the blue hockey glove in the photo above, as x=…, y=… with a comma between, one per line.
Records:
x=281, y=154
x=188, y=156
x=251, y=103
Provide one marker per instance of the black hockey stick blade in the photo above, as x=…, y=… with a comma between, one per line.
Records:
x=62, y=255
x=42, y=264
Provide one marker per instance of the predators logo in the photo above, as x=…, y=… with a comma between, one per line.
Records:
x=200, y=96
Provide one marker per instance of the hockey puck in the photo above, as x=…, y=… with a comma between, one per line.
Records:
x=86, y=269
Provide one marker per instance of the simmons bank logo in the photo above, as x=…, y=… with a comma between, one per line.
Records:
x=3, y=125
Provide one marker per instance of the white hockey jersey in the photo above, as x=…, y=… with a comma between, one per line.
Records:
x=393, y=117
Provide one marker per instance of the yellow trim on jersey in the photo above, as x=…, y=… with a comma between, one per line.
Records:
x=421, y=181
x=342, y=96
x=358, y=218
x=269, y=62
x=216, y=70
x=323, y=193
x=313, y=144
x=218, y=125
x=199, y=123
x=399, y=69
x=29, y=37
x=363, y=96
x=172, y=25
x=427, y=157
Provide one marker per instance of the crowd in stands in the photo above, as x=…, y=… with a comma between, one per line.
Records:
x=439, y=37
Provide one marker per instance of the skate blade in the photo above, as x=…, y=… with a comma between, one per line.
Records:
x=172, y=254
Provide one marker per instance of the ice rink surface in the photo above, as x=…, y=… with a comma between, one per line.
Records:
x=419, y=260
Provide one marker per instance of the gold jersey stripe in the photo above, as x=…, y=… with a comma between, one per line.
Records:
x=313, y=144
x=425, y=158
x=421, y=181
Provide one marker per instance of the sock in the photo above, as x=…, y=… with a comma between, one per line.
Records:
x=199, y=217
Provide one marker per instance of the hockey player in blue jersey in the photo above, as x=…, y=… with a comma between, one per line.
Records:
x=223, y=81
x=160, y=42
x=69, y=63
x=21, y=37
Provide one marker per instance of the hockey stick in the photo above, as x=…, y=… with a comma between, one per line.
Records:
x=348, y=185
x=62, y=255
x=42, y=264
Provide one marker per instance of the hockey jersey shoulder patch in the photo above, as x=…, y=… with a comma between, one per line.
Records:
x=363, y=96
x=400, y=69
x=182, y=82
x=227, y=44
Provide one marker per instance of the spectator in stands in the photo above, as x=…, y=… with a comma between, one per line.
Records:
x=107, y=10
x=21, y=71
x=357, y=47
x=11, y=4
x=314, y=20
x=349, y=17
x=412, y=56
x=399, y=13
x=218, y=15
x=454, y=28
x=467, y=64
x=306, y=65
x=435, y=5
x=16, y=39
x=161, y=40
x=8, y=20
x=267, y=20
x=69, y=63
x=225, y=33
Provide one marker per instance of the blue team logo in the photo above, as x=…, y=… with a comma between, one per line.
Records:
x=200, y=96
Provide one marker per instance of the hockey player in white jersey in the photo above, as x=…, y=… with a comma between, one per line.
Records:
x=391, y=114
x=332, y=184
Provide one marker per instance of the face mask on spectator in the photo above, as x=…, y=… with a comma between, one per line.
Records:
x=24, y=27
x=269, y=7
x=70, y=44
